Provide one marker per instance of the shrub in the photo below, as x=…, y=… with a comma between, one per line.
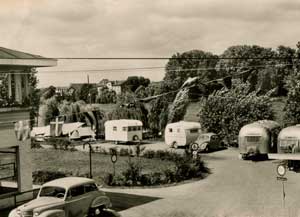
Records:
x=59, y=143
x=145, y=179
x=149, y=154
x=108, y=179
x=132, y=173
x=119, y=180
x=169, y=176
x=156, y=178
x=226, y=111
x=42, y=176
x=124, y=152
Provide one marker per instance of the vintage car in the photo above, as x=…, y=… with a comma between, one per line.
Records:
x=207, y=142
x=65, y=197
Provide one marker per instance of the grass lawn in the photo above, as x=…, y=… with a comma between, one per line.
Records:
x=78, y=163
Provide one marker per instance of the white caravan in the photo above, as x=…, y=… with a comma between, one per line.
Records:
x=181, y=133
x=123, y=130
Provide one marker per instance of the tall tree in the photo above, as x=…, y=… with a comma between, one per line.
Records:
x=88, y=93
x=194, y=63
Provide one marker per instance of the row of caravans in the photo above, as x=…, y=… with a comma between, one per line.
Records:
x=266, y=137
x=177, y=134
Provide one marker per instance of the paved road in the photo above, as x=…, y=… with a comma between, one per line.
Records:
x=235, y=188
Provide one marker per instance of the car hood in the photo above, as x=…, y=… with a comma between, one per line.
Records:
x=40, y=202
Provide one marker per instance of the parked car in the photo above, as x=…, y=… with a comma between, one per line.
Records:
x=207, y=142
x=65, y=197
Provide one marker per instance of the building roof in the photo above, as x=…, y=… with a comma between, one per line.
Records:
x=124, y=122
x=68, y=182
x=104, y=82
x=185, y=125
x=9, y=57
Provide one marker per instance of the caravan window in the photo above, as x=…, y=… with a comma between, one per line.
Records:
x=133, y=128
x=114, y=128
x=124, y=128
x=170, y=130
x=252, y=139
x=194, y=131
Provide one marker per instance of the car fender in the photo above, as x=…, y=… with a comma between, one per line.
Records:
x=100, y=201
x=13, y=213
x=203, y=146
x=53, y=213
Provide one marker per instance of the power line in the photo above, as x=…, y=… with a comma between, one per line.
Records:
x=159, y=67
x=179, y=58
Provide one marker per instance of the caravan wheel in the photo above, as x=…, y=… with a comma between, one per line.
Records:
x=175, y=145
x=135, y=138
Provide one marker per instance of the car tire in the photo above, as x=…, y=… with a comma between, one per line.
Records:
x=96, y=211
x=195, y=146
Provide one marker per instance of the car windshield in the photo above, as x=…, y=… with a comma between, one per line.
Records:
x=52, y=191
x=203, y=137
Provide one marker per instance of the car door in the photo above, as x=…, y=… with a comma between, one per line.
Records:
x=77, y=202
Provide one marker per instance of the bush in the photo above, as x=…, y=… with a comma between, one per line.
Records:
x=145, y=179
x=118, y=180
x=124, y=152
x=226, y=111
x=133, y=173
x=186, y=168
x=149, y=154
x=42, y=176
x=169, y=176
x=59, y=143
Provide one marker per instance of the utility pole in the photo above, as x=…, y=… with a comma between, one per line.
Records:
x=89, y=94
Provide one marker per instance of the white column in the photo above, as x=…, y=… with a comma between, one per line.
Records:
x=18, y=88
x=26, y=85
x=9, y=85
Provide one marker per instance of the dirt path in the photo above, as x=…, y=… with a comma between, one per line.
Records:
x=235, y=188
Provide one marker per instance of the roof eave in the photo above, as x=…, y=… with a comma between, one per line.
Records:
x=36, y=62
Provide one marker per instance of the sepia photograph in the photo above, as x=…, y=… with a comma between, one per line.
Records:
x=135, y=108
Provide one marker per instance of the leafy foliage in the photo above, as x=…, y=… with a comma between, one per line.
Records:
x=292, y=109
x=226, y=111
x=133, y=82
x=48, y=110
x=129, y=108
x=178, y=107
x=189, y=64
x=158, y=114
x=88, y=93
x=106, y=96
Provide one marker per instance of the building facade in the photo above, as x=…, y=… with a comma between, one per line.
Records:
x=15, y=154
x=116, y=86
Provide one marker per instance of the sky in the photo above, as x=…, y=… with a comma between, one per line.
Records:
x=138, y=28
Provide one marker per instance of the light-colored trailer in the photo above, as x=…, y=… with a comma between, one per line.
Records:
x=289, y=144
x=258, y=138
x=181, y=133
x=289, y=140
x=123, y=130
